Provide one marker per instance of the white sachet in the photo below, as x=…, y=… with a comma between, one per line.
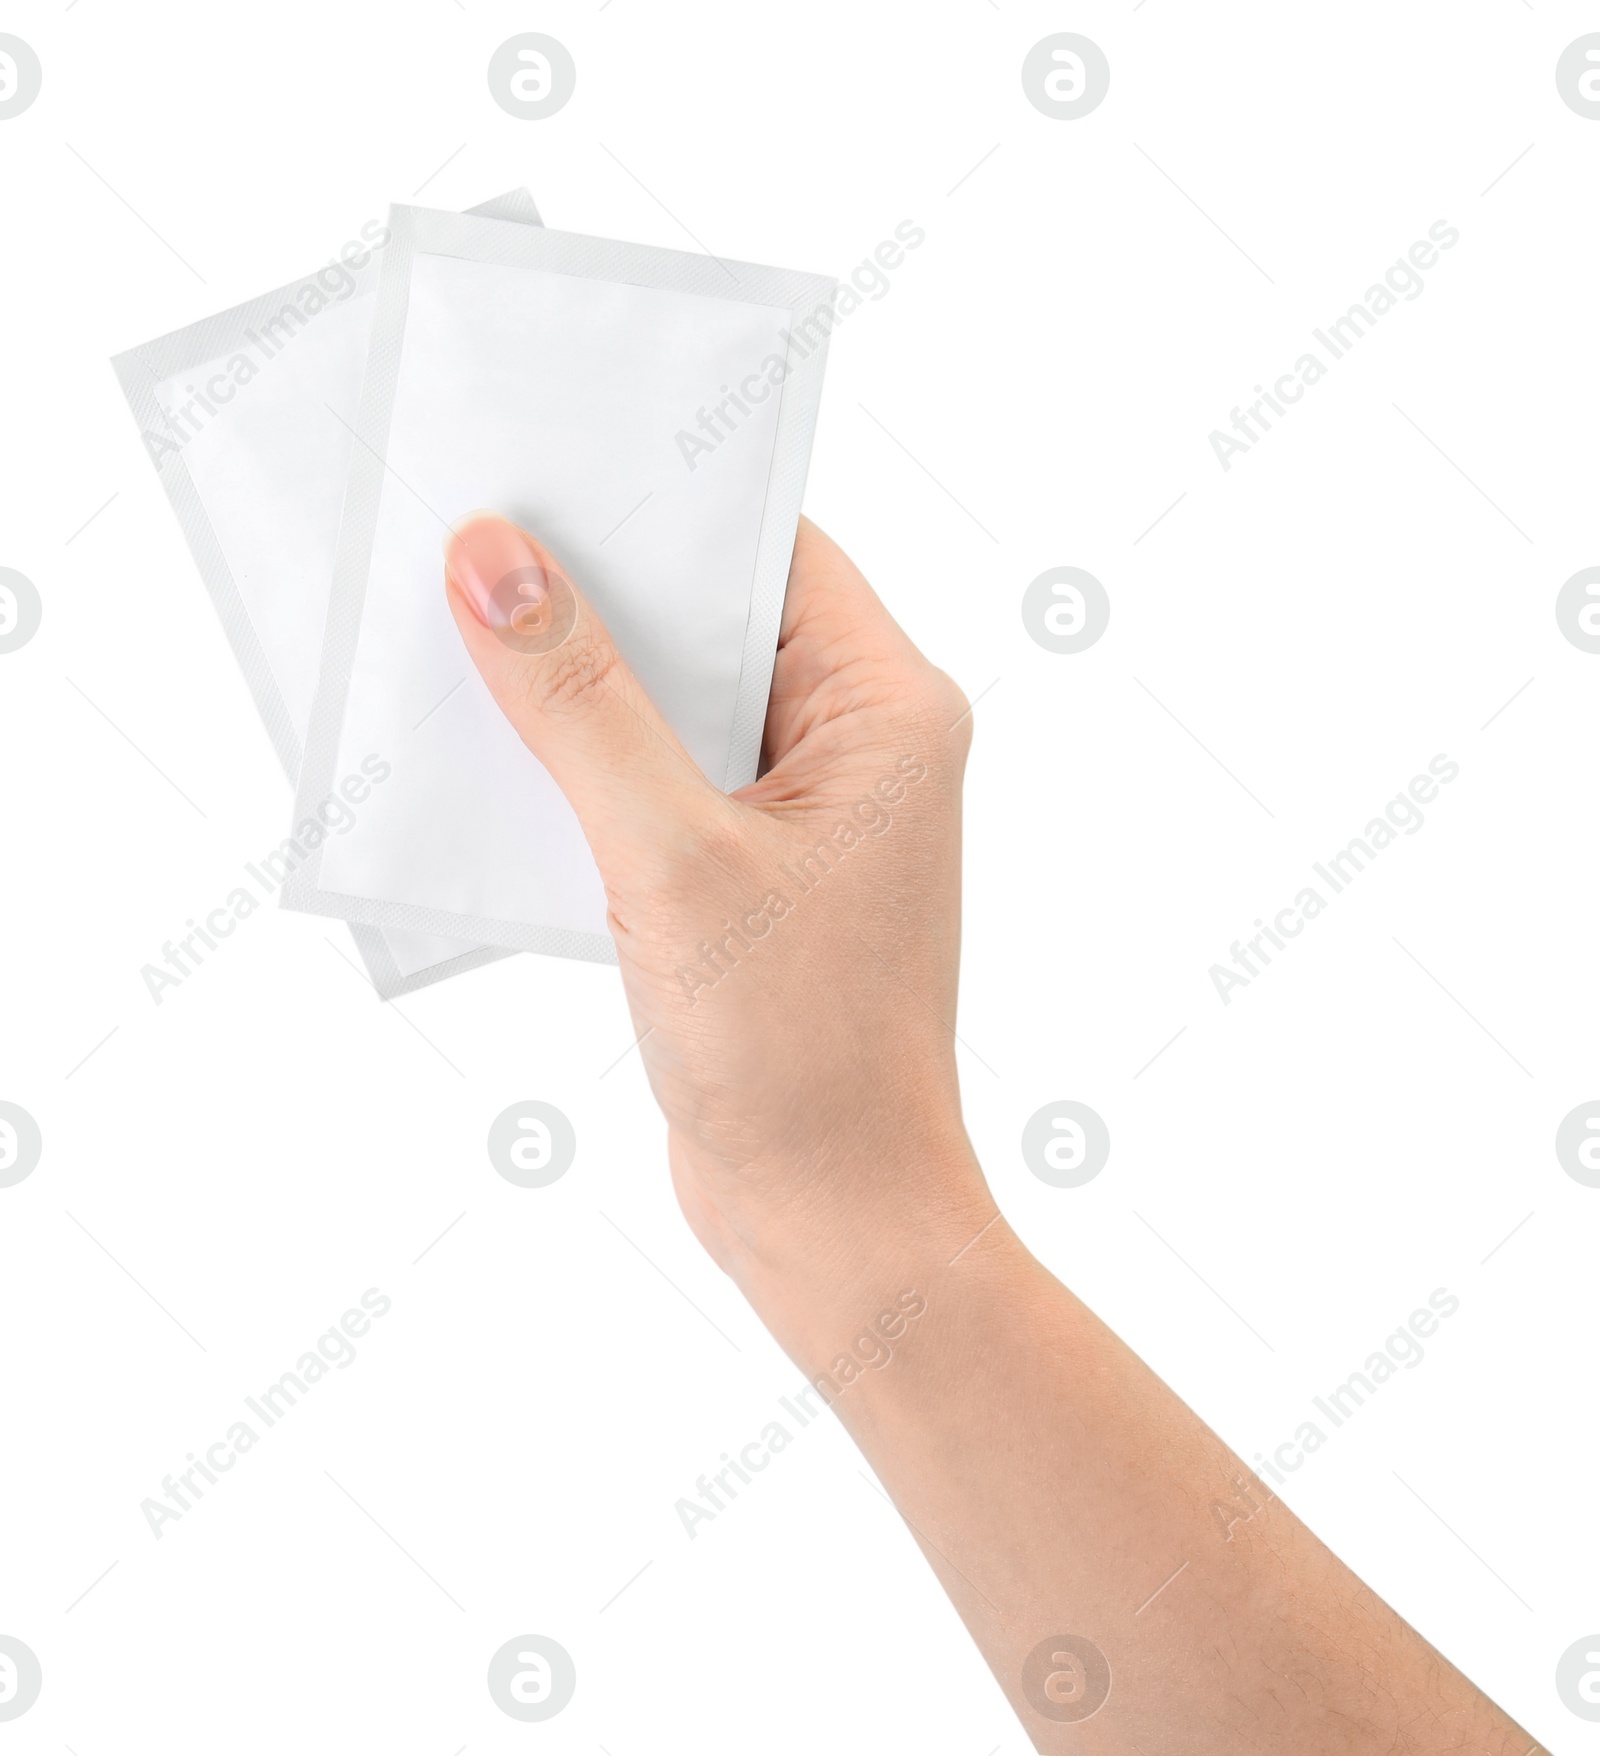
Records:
x=248, y=418
x=648, y=415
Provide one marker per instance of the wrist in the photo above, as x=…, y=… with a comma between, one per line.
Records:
x=843, y=1272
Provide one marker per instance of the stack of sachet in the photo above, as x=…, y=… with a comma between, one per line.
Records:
x=647, y=413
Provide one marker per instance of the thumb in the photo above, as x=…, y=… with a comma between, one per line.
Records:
x=557, y=676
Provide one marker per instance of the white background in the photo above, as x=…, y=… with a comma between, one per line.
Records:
x=1323, y=618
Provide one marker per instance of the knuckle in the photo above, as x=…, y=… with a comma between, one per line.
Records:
x=941, y=713
x=572, y=677
x=953, y=704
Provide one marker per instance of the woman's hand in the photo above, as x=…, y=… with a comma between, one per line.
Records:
x=790, y=957
x=789, y=953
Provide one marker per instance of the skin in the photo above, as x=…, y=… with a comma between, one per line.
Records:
x=807, y=1073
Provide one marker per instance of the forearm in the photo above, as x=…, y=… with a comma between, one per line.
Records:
x=1058, y=1488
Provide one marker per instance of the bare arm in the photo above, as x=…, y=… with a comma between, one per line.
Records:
x=1133, y=1586
x=790, y=958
